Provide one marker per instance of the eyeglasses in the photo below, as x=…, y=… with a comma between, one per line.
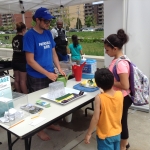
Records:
x=110, y=43
x=45, y=21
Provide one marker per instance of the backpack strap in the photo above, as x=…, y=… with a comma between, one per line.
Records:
x=124, y=57
x=64, y=31
x=131, y=76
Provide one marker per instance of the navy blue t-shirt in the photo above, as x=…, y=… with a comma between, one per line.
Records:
x=41, y=46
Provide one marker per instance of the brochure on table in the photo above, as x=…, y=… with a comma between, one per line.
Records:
x=10, y=103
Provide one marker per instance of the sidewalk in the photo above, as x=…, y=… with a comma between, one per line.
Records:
x=139, y=129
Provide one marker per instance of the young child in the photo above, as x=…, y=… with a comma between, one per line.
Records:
x=107, y=113
x=75, y=49
x=113, y=45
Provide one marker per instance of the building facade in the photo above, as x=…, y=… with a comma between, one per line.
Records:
x=71, y=12
x=8, y=20
x=80, y=11
x=96, y=10
x=76, y=11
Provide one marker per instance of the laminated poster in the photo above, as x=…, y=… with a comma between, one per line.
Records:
x=5, y=87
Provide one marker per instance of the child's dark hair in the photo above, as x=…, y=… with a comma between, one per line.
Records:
x=75, y=40
x=20, y=26
x=117, y=40
x=104, y=78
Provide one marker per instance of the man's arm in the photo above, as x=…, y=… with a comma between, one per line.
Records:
x=94, y=120
x=38, y=68
x=56, y=62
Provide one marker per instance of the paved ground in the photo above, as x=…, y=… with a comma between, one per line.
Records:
x=139, y=129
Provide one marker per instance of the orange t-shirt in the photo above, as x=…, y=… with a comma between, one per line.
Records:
x=109, y=123
x=122, y=67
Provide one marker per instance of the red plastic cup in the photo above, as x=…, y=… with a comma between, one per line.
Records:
x=77, y=71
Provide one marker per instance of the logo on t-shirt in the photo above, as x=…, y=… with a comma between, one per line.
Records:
x=16, y=43
x=45, y=45
x=16, y=46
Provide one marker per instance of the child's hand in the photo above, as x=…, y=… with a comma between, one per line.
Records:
x=101, y=90
x=87, y=139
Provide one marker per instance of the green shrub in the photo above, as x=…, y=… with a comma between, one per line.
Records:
x=90, y=40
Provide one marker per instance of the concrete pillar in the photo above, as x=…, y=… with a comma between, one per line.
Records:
x=113, y=20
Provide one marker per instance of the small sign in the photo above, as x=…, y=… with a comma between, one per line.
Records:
x=5, y=87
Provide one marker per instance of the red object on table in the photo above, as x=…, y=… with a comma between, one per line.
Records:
x=77, y=71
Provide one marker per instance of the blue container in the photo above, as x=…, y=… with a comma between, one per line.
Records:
x=89, y=69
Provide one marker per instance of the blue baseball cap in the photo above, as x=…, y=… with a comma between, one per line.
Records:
x=43, y=13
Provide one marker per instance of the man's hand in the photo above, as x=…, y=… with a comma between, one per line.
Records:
x=52, y=76
x=87, y=138
x=61, y=72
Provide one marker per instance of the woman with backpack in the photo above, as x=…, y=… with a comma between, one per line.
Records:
x=113, y=47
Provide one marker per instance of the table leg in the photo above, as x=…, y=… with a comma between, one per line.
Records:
x=92, y=108
x=9, y=140
x=27, y=143
x=30, y=142
x=10, y=143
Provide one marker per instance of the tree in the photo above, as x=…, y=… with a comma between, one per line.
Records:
x=78, y=24
x=33, y=23
x=65, y=16
x=89, y=21
x=1, y=28
x=53, y=23
x=94, y=21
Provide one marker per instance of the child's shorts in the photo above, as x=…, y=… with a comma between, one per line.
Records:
x=110, y=143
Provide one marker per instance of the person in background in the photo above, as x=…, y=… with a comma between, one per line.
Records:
x=107, y=113
x=40, y=55
x=75, y=49
x=19, y=59
x=59, y=35
x=113, y=45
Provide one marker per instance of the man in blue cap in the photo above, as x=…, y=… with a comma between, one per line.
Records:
x=40, y=55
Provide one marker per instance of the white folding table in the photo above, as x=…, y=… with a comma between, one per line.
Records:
x=52, y=114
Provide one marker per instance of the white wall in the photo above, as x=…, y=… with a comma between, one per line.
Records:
x=138, y=28
x=135, y=20
x=113, y=20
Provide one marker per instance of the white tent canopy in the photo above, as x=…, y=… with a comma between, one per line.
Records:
x=16, y=6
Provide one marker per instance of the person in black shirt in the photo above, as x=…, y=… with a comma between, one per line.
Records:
x=19, y=59
x=59, y=35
